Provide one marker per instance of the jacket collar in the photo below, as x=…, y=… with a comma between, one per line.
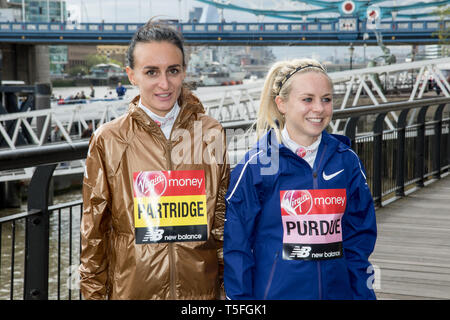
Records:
x=189, y=107
x=330, y=144
x=339, y=141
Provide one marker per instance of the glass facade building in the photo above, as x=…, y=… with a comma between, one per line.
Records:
x=43, y=10
x=48, y=11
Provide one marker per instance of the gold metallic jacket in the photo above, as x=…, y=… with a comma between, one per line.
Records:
x=113, y=266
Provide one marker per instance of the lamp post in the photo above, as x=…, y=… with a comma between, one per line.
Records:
x=351, y=49
x=23, y=11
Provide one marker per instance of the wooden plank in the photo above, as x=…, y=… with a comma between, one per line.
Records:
x=412, y=252
x=411, y=266
x=393, y=296
x=430, y=291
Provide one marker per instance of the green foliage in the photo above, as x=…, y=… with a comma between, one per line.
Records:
x=444, y=32
x=93, y=59
x=78, y=70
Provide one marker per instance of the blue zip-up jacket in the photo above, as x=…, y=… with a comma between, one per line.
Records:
x=293, y=232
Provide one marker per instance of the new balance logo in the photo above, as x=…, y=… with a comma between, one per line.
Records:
x=153, y=235
x=300, y=252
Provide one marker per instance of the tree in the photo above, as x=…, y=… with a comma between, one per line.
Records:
x=77, y=71
x=444, y=32
x=94, y=59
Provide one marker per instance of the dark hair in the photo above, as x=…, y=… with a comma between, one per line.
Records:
x=154, y=32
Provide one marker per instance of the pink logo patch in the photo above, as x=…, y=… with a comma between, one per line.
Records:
x=297, y=202
x=150, y=184
x=301, y=152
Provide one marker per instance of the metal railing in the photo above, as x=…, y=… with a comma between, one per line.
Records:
x=428, y=137
x=64, y=248
x=395, y=161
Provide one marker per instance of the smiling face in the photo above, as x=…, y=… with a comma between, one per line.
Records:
x=308, y=108
x=159, y=73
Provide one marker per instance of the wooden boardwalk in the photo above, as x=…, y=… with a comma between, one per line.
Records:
x=413, y=245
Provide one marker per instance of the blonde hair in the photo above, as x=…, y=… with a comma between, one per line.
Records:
x=278, y=83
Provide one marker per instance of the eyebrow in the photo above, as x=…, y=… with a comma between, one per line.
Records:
x=313, y=95
x=171, y=66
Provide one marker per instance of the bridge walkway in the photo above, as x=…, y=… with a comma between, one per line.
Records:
x=413, y=245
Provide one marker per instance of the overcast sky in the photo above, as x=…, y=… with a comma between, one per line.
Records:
x=142, y=10
x=138, y=10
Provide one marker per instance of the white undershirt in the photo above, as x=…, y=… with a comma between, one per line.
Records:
x=166, y=123
x=311, y=151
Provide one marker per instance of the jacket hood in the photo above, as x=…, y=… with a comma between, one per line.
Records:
x=345, y=142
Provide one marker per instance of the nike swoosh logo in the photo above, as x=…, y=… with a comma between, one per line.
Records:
x=331, y=176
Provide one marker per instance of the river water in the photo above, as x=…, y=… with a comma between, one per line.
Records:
x=65, y=231
x=204, y=93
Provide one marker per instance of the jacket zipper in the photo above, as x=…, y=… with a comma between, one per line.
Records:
x=272, y=273
x=170, y=244
x=172, y=273
x=316, y=186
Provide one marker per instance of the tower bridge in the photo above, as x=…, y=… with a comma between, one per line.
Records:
x=339, y=31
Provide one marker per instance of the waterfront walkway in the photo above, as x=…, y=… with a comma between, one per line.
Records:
x=413, y=245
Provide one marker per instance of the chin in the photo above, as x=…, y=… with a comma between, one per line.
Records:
x=166, y=107
x=314, y=132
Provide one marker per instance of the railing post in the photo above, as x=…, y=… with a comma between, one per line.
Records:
x=436, y=151
x=350, y=130
x=42, y=101
x=447, y=149
x=420, y=147
x=37, y=235
x=377, y=157
x=400, y=161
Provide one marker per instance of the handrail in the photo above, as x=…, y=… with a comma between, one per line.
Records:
x=387, y=107
x=20, y=215
x=29, y=157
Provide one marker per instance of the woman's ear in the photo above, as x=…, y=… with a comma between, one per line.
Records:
x=280, y=104
x=184, y=71
x=130, y=73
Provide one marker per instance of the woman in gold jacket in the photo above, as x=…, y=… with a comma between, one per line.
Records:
x=154, y=186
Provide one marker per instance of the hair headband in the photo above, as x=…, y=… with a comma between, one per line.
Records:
x=282, y=82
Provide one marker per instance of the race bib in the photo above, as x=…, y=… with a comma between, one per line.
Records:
x=312, y=223
x=169, y=206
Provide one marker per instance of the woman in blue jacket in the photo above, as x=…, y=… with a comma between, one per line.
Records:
x=300, y=221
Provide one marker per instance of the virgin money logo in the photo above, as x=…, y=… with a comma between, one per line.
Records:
x=297, y=202
x=150, y=184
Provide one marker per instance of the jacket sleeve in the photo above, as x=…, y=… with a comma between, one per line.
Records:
x=219, y=216
x=243, y=206
x=95, y=225
x=360, y=232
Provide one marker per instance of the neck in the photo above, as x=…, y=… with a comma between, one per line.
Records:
x=301, y=140
x=159, y=113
